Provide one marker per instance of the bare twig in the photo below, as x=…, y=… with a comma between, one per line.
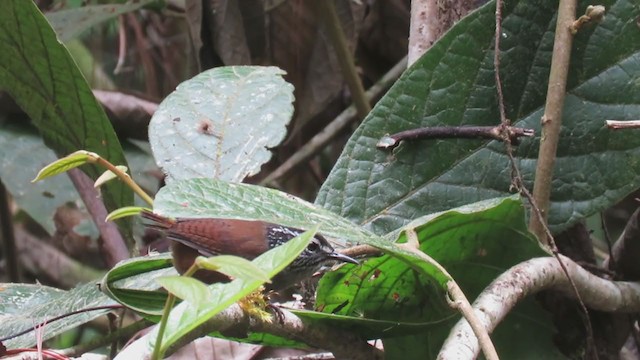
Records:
x=39, y=257
x=555, y=101
x=528, y=278
x=463, y=132
x=101, y=341
x=122, y=45
x=327, y=11
x=623, y=124
x=552, y=118
x=60, y=317
x=7, y=237
x=624, y=259
x=112, y=244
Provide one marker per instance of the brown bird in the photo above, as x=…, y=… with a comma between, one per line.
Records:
x=244, y=238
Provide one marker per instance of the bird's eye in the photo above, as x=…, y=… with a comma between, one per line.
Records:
x=313, y=246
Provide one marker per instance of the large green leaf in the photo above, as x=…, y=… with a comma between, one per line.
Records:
x=22, y=306
x=40, y=75
x=453, y=84
x=221, y=123
x=22, y=154
x=475, y=243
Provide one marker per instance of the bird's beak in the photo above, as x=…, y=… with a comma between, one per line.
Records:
x=344, y=258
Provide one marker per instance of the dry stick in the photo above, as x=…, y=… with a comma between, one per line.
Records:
x=113, y=245
x=318, y=142
x=122, y=45
x=618, y=124
x=551, y=122
x=464, y=132
x=552, y=118
x=331, y=22
x=39, y=257
x=7, y=236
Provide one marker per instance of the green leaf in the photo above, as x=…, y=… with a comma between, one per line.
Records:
x=233, y=266
x=65, y=164
x=133, y=283
x=22, y=306
x=21, y=153
x=475, y=243
x=221, y=123
x=124, y=212
x=453, y=84
x=186, y=288
x=70, y=23
x=184, y=317
x=39, y=74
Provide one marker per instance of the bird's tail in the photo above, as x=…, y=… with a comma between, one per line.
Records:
x=159, y=222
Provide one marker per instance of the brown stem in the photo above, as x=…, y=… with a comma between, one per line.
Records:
x=552, y=118
x=111, y=243
x=458, y=132
x=8, y=237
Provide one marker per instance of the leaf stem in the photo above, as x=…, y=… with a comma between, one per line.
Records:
x=124, y=177
x=168, y=305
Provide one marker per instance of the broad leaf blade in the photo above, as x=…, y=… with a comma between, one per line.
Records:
x=22, y=306
x=385, y=191
x=40, y=75
x=132, y=283
x=475, y=243
x=22, y=152
x=221, y=123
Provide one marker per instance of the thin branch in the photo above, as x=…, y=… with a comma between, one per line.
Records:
x=60, y=317
x=461, y=132
x=7, y=237
x=560, y=55
x=101, y=341
x=528, y=278
x=623, y=124
x=552, y=118
x=111, y=242
x=39, y=257
x=327, y=11
x=624, y=260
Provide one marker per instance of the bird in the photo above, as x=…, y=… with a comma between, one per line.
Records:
x=193, y=237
